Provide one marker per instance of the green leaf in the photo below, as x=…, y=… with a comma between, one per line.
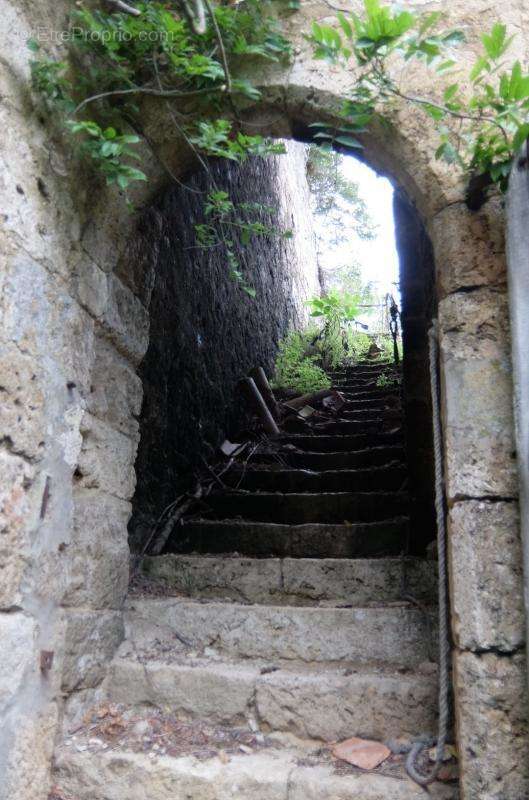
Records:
x=520, y=136
x=496, y=43
x=450, y=92
x=348, y=141
x=33, y=45
x=345, y=25
x=480, y=66
x=250, y=291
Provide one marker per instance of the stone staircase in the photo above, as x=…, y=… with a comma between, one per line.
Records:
x=290, y=619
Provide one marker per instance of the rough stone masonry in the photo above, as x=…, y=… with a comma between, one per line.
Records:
x=67, y=470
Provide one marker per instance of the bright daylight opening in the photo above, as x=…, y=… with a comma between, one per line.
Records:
x=354, y=223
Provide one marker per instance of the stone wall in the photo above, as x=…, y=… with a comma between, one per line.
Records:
x=74, y=329
x=206, y=333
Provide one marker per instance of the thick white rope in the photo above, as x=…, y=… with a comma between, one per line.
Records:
x=444, y=644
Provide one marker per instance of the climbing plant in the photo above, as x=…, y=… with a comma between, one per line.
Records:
x=193, y=64
x=481, y=116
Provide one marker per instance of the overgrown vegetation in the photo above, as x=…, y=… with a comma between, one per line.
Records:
x=337, y=310
x=117, y=59
x=196, y=66
x=481, y=116
x=297, y=365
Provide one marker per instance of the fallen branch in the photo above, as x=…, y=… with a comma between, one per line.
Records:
x=308, y=399
x=128, y=9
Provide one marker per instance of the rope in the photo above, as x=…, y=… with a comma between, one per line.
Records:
x=444, y=645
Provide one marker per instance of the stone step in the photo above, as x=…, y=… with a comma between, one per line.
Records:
x=290, y=581
x=378, y=403
x=263, y=539
x=348, y=427
x=340, y=442
x=296, y=509
x=398, y=634
x=275, y=478
x=371, y=393
x=366, y=369
x=273, y=773
x=357, y=459
x=323, y=703
x=380, y=416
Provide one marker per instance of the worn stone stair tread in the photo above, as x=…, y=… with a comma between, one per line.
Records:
x=296, y=508
x=397, y=634
x=293, y=581
x=340, y=442
x=352, y=403
x=271, y=774
x=324, y=703
x=365, y=457
x=287, y=479
x=316, y=540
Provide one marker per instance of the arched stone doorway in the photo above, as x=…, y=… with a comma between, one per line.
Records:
x=62, y=296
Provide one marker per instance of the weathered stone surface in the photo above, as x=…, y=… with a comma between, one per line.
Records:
x=486, y=576
x=90, y=286
x=268, y=775
x=492, y=724
x=18, y=636
x=116, y=389
x=300, y=581
x=46, y=324
x=477, y=383
x=312, y=703
x=15, y=504
x=98, y=554
x=469, y=247
x=91, y=639
x=106, y=460
x=395, y=635
x=22, y=420
x=328, y=705
x=126, y=321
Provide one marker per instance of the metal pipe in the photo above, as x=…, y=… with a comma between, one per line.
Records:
x=261, y=381
x=258, y=405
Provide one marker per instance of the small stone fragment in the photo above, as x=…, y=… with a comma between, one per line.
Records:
x=362, y=753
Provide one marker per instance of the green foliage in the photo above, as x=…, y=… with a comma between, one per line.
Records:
x=385, y=381
x=334, y=306
x=358, y=344
x=336, y=309
x=336, y=198
x=115, y=58
x=120, y=57
x=218, y=138
x=480, y=133
x=107, y=149
x=230, y=225
x=296, y=366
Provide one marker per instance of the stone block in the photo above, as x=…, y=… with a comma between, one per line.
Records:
x=91, y=639
x=477, y=388
x=106, y=460
x=486, y=576
x=469, y=246
x=90, y=286
x=117, y=392
x=126, y=321
x=18, y=634
x=45, y=323
x=492, y=725
x=16, y=475
x=98, y=555
x=22, y=420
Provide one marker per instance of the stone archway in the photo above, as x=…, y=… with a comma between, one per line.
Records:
x=73, y=324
